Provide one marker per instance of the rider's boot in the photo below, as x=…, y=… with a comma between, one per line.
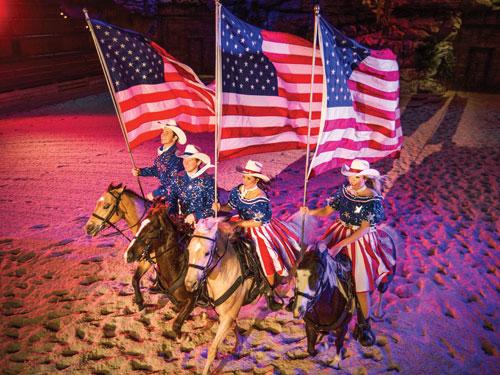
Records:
x=289, y=305
x=268, y=292
x=363, y=333
x=272, y=304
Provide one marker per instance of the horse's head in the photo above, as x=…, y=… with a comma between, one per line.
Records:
x=308, y=277
x=106, y=211
x=152, y=234
x=201, y=251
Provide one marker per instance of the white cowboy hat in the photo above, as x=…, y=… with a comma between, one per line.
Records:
x=172, y=125
x=191, y=151
x=359, y=167
x=253, y=168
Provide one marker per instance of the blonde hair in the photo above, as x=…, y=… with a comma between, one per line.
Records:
x=376, y=183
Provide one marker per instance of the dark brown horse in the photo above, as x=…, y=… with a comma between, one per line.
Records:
x=159, y=240
x=118, y=203
x=320, y=301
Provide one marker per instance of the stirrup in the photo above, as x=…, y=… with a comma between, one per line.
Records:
x=272, y=304
x=364, y=334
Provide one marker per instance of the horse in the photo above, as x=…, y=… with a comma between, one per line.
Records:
x=115, y=204
x=319, y=300
x=158, y=233
x=222, y=272
x=213, y=259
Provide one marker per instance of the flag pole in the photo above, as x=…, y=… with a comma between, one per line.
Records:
x=111, y=90
x=306, y=174
x=218, y=90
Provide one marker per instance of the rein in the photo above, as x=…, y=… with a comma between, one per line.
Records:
x=114, y=210
x=208, y=268
x=312, y=300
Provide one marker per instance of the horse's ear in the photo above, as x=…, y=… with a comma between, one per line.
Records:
x=113, y=187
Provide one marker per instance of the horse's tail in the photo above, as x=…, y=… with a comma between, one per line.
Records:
x=311, y=226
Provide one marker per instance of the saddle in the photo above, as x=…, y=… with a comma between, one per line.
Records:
x=250, y=266
x=344, y=276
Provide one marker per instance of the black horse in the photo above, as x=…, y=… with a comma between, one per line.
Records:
x=159, y=235
x=320, y=302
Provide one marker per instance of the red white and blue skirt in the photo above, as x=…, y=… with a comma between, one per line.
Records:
x=276, y=245
x=371, y=263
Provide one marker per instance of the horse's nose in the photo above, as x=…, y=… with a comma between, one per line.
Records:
x=129, y=256
x=89, y=229
x=191, y=285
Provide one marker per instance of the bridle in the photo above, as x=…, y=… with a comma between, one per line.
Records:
x=146, y=252
x=115, y=209
x=208, y=268
x=312, y=299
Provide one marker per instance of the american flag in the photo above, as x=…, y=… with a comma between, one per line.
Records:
x=150, y=85
x=266, y=79
x=361, y=98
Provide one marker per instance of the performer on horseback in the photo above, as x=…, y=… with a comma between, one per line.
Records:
x=167, y=163
x=275, y=244
x=192, y=191
x=359, y=204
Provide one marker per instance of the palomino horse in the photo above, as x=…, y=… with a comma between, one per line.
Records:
x=115, y=204
x=320, y=302
x=159, y=234
x=213, y=259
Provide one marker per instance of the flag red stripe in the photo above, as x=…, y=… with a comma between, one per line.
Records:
x=158, y=96
x=279, y=37
x=300, y=78
x=365, y=89
x=292, y=59
x=359, y=126
x=299, y=97
x=247, y=132
x=372, y=111
x=257, y=149
x=349, y=144
x=388, y=76
x=165, y=114
x=338, y=162
x=233, y=110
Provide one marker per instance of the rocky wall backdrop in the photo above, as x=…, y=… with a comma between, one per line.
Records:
x=440, y=44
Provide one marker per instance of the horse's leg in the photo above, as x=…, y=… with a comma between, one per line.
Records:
x=339, y=345
x=239, y=338
x=186, y=309
x=312, y=336
x=379, y=313
x=224, y=325
x=142, y=268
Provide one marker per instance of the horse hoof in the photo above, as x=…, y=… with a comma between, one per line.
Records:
x=312, y=352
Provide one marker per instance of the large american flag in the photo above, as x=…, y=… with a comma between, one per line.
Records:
x=150, y=85
x=361, y=102
x=266, y=80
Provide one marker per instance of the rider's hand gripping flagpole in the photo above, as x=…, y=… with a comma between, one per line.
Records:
x=306, y=173
x=112, y=92
x=218, y=91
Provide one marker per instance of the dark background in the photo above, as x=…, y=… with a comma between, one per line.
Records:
x=46, y=53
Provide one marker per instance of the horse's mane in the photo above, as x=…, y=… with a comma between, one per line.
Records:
x=126, y=190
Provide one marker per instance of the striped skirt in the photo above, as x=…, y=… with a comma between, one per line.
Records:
x=276, y=245
x=371, y=263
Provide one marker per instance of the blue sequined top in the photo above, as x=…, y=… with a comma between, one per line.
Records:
x=193, y=195
x=258, y=209
x=354, y=209
x=165, y=168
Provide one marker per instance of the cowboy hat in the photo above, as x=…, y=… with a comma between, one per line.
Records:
x=359, y=167
x=191, y=151
x=253, y=168
x=172, y=125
